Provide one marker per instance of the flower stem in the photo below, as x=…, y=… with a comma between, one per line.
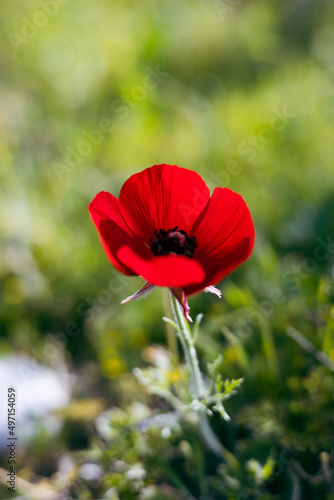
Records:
x=188, y=347
x=170, y=332
x=196, y=376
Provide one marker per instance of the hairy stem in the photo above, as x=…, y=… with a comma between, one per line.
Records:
x=196, y=376
x=189, y=348
x=170, y=332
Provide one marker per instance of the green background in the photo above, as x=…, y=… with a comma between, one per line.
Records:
x=223, y=71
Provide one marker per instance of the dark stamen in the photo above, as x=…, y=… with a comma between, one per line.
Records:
x=173, y=241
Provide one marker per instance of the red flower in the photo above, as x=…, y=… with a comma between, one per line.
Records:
x=166, y=228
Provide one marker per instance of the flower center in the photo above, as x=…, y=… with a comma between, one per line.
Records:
x=173, y=241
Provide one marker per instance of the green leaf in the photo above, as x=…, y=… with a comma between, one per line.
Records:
x=171, y=322
x=198, y=320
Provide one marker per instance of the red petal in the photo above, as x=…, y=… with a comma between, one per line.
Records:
x=163, y=270
x=107, y=216
x=162, y=197
x=225, y=236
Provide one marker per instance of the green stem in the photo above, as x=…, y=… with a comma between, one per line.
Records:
x=189, y=348
x=170, y=332
x=196, y=376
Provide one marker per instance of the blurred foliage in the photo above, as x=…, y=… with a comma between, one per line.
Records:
x=198, y=84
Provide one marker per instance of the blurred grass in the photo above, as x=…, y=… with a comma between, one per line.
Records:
x=227, y=71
